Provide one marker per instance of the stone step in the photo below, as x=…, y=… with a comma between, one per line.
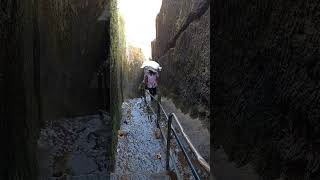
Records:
x=113, y=176
x=141, y=176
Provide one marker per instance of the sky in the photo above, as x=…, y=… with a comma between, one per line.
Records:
x=140, y=18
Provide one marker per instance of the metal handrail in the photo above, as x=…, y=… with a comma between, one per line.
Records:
x=200, y=159
x=165, y=142
x=170, y=128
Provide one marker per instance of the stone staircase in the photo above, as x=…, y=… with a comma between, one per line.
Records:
x=113, y=176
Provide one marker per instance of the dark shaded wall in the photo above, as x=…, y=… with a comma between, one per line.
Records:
x=49, y=56
x=20, y=107
x=182, y=49
x=266, y=92
x=73, y=46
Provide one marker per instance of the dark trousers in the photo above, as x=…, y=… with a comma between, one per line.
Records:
x=153, y=91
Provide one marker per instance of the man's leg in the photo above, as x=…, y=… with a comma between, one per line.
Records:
x=152, y=92
x=155, y=91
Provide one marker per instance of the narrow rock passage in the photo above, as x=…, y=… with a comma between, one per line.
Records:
x=138, y=149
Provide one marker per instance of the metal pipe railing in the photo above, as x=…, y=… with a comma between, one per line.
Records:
x=170, y=128
x=200, y=159
x=168, y=143
x=171, y=154
x=158, y=111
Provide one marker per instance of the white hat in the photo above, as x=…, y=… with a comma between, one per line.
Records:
x=151, y=69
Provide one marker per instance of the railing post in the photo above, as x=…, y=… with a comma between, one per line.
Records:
x=158, y=113
x=168, y=142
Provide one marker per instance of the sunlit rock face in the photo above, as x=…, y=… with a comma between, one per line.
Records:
x=133, y=75
x=182, y=48
x=172, y=18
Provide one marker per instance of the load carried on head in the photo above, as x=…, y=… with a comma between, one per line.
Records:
x=151, y=65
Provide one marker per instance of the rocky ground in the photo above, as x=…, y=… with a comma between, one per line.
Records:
x=77, y=146
x=138, y=149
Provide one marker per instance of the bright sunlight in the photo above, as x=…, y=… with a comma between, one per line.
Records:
x=140, y=19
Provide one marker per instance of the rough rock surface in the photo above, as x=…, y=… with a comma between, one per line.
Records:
x=75, y=147
x=266, y=74
x=138, y=150
x=133, y=75
x=49, y=53
x=182, y=48
x=73, y=44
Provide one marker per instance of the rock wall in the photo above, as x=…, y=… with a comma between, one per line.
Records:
x=182, y=48
x=116, y=60
x=20, y=107
x=49, y=55
x=73, y=43
x=266, y=74
x=133, y=75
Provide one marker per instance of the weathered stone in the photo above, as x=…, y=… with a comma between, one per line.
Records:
x=50, y=53
x=266, y=105
x=73, y=45
x=182, y=49
x=173, y=15
x=157, y=133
